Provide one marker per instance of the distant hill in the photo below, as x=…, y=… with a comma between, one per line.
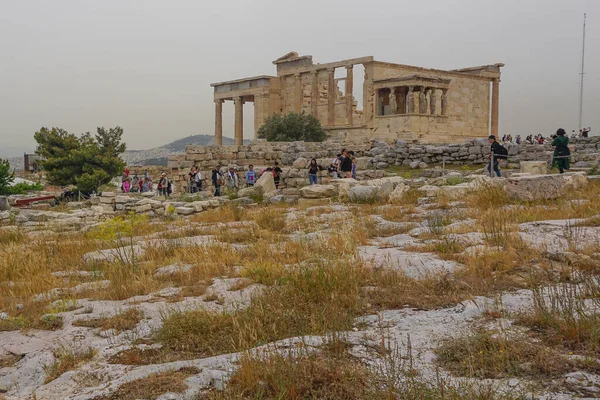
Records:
x=159, y=155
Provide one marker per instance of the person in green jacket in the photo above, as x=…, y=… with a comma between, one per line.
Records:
x=561, y=151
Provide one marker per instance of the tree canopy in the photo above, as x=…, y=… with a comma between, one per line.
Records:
x=6, y=176
x=85, y=161
x=292, y=127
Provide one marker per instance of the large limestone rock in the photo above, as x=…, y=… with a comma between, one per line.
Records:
x=398, y=194
x=455, y=192
x=318, y=191
x=300, y=162
x=265, y=184
x=534, y=167
x=4, y=205
x=343, y=186
x=362, y=194
x=534, y=187
x=249, y=191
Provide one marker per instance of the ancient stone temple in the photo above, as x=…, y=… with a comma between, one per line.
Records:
x=398, y=101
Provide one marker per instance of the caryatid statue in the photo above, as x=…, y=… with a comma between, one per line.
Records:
x=432, y=100
x=422, y=101
x=393, y=102
x=410, y=98
x=444, y=101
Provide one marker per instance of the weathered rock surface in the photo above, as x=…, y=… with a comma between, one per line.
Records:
x=533, y=187
x=318, y=191
x=265, y=184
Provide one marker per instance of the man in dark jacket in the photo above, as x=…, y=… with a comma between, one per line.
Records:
x=495, y=149
x=346, y=166
x=217, y=180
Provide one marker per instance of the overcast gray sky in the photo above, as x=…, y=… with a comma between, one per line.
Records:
x=147, y=65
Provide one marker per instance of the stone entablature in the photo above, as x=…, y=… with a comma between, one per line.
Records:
x=456, y=103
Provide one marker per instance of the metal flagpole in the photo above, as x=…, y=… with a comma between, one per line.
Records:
x=582, y=73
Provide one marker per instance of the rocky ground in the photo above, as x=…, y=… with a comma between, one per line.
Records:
x=457, y=287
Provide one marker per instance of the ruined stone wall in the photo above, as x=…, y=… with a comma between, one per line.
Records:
x=476, y=151
x=259, y=153
x=372, y=157
x=468, y=111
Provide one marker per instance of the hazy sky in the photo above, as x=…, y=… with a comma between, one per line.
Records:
x=147, y=65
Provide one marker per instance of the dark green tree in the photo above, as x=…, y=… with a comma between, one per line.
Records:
x=292, y=127
x=6, y=176
x=86, y=161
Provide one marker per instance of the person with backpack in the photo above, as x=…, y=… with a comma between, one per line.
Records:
x=498, y=152
x=561, y=151
x=217, y=180
x=276, y=171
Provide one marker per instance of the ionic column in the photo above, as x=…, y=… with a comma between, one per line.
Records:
x=410, y=98
x=314, y=93
x=331, y=95
x=218, y=122
x=349, y=96
x=259, y=111
x=299, y=94
x=495, y=105
x=239, y=121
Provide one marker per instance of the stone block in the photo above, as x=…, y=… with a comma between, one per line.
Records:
x=533, y=167
x=184, y=210
x=318, y=191
x=143, y=208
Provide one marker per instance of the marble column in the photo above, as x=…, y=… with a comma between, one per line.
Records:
x=331, y=97
x=260, y=108
x=314, y=93
x=495, y=105
x=299, y=94
x=239, y=121
x=410, y=98
x=218, y=122
x=349, y=91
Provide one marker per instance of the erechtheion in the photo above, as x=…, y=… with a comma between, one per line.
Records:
x=399, y=101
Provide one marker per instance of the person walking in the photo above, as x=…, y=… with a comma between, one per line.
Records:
x=313, y=172
x=198, y=180
x=497, y=151
x=232, y=180
x=250, y=176
x=217, y=180
x=276, y=171
x=346, y=165
x=560, y=159
x=163, y=185
x=192, y=180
